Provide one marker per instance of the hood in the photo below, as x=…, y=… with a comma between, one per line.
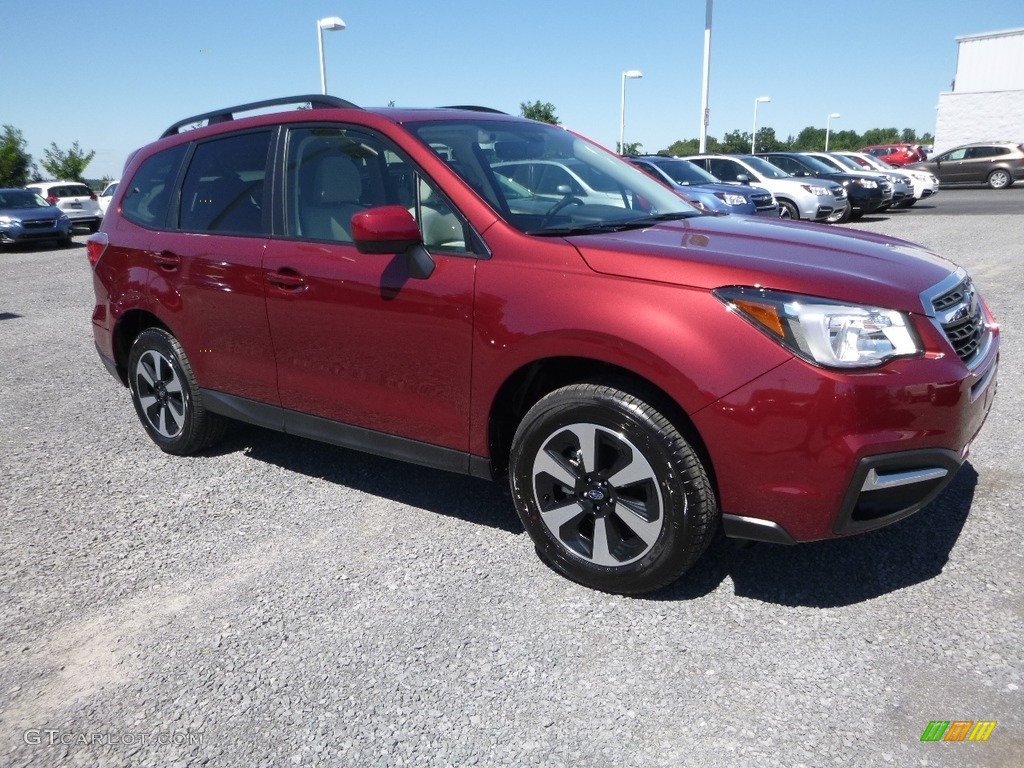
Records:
x=708, y=252
x=50, y=213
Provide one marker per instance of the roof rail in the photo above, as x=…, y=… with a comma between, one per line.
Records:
x=474, y=108
x=315, y=101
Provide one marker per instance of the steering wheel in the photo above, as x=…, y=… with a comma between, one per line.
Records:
x=563, y=203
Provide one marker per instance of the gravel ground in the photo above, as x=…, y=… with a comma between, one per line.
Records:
x=279, y=602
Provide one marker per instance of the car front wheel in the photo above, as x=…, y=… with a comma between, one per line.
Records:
x=788, y=210
x=166, y=396
x=612, y=494
x=999, y=179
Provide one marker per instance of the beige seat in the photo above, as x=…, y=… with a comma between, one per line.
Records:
x=326, y=210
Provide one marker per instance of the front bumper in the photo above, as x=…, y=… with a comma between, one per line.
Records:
x=804, y=453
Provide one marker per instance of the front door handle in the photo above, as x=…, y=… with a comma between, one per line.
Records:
x=288, y=280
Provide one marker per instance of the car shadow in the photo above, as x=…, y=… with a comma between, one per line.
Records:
x=824, y=574
x=838, y=572
x=446, y=493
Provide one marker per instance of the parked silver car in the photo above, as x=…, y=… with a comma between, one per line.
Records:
x=810, y=199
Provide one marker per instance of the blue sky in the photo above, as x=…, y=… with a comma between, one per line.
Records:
x=113, y=74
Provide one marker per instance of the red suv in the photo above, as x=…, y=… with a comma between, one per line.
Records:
x=896, y=154
x=641, y=372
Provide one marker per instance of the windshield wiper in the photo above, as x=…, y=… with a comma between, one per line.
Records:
x=592, y=228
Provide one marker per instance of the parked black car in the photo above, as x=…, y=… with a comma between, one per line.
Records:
x=866, y=192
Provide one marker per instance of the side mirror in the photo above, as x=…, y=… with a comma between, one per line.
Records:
x=385, y=229
x=742, y=178
x=392, y=229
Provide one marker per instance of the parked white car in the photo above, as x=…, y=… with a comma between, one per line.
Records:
x=74, y=198
x=557, y=179
x=925, y=184
x=106, y=195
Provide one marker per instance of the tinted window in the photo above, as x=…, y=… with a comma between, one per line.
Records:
x=223, y=188
x=726, y=170
x=149, y=193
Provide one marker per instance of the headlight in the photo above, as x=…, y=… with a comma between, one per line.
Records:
x=8, y=221
x=730, y=199
x=867, y=183
x=63, y=217
x=814, y=189
x=824, y=332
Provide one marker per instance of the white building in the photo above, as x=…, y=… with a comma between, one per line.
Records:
x=987, y=100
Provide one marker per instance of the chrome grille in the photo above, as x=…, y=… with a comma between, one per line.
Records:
x=762, y=202
x=961, y=318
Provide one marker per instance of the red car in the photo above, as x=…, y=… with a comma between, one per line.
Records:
x=641, y=372
x=896, y=154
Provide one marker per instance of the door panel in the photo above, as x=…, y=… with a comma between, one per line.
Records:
x=356, y=339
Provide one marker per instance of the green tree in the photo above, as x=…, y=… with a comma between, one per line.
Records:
x=735, y=141
x=629, y=148
x=14, y=160
x=767, y=141
x=66, y=165
x=845, y=140
x=880, y=136
x=810, y=139
x=542, y=111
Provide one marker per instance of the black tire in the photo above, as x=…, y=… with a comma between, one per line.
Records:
x=1000, y=179
x=909, y=202
x=166, y=396
x=94, y=227
x=641, y=509
x=840, y=217
x=788, y=210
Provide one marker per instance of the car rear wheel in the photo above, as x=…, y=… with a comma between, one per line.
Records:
x=1000, y=179
x=612, y=494
x=787, y=210
x=166, y=396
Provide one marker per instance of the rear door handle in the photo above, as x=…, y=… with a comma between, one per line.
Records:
x=167, y=260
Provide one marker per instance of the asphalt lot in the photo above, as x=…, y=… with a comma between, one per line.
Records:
x=279, y=602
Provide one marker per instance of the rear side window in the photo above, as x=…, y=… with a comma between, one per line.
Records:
x=149, y=193
x=223, y=189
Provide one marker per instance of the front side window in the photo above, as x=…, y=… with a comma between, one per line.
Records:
x=223, y=190
x=545, y=180
x=149, y=191
x=333, y=173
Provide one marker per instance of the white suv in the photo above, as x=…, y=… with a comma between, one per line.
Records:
x=813, y=200
x=75, y=199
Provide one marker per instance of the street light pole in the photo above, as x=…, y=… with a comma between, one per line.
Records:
x=631, y=74
x=705, y=109
x=753, y=133
x=331, y=24
x=828, y=126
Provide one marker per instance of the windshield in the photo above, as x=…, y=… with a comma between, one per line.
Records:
x=544, y=180
x=684, y=172
x=820, y=165
x=20, y=199
x=764, y=168
x=832, y=163
x=855, y=163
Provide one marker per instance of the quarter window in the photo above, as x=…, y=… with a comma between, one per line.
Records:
x=149, y=194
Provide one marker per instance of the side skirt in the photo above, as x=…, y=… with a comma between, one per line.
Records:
x=346, y=435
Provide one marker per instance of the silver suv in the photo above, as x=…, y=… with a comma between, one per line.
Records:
x=73, y=198
x=813, y=200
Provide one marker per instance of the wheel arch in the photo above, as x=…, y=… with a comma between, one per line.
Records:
x=525, y=386
x=128, y=327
